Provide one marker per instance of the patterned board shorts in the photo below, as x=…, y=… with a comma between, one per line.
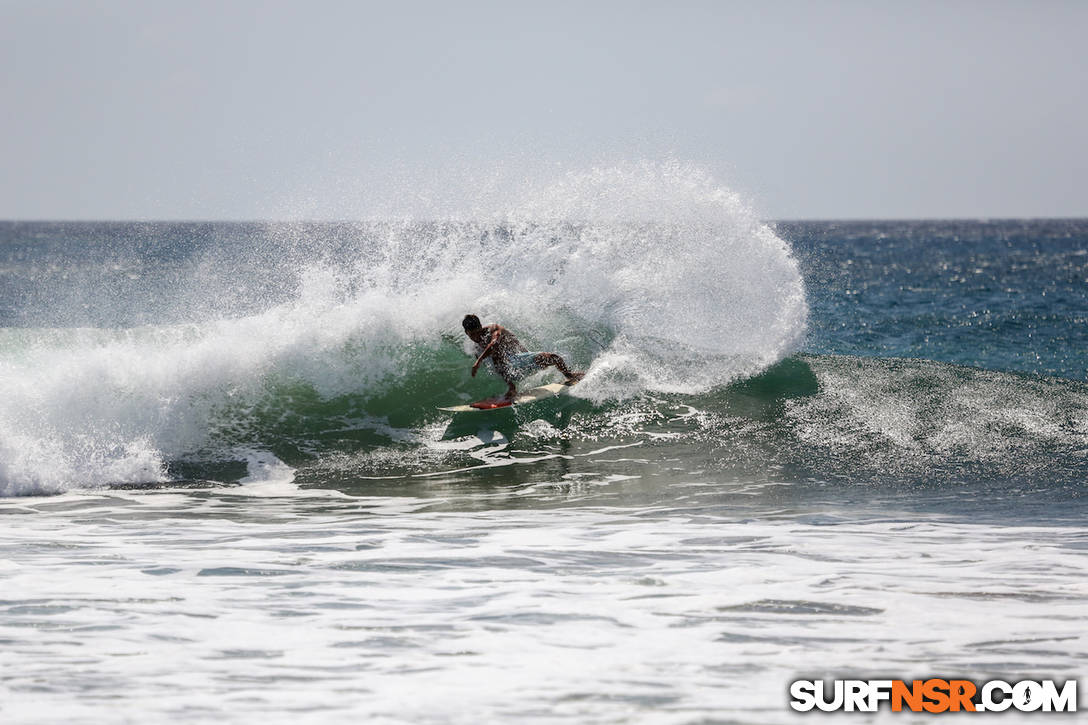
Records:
x=518, y=366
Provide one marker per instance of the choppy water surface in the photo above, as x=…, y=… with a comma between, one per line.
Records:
x=573, y=599
x=801, y=450
x=578, y=599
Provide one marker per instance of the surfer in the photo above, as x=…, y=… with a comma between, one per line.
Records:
x=511, y=359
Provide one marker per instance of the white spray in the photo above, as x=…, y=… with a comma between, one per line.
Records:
x=675, y=277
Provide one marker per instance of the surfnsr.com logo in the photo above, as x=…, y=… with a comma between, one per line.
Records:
x=934, y=695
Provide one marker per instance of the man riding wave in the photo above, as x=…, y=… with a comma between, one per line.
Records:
x=511, y=360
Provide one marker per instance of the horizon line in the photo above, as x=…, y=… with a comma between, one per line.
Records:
x=783, y=220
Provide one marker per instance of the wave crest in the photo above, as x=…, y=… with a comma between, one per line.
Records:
x=651, y=275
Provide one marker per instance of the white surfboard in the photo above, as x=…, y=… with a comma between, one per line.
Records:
x=529, y=396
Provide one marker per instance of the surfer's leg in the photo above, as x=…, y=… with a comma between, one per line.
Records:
x=508, y=377
x=548, y=359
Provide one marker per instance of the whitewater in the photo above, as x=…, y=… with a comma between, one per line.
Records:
x=602, y=257
x=801, y=450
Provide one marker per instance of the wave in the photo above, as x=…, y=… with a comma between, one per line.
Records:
x=332, y=352
x=921, y=421
x=809, y=419
x=652, y=277
x=813, y=418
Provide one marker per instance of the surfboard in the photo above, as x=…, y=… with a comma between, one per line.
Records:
x=529, y=396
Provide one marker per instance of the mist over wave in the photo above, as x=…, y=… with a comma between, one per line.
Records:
x=651, y=276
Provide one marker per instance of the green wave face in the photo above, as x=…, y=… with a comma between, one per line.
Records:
x=884, y=422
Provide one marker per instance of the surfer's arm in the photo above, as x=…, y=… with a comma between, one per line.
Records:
x=487, y=350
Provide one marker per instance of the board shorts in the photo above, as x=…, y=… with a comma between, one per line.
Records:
x=517, y=366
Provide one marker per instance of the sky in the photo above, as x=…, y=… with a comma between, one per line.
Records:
x=340, y=110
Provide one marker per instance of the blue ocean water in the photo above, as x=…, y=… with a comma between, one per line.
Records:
x=801, y=449
x=1003, y=295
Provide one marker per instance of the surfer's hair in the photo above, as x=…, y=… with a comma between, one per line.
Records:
x=470, y=323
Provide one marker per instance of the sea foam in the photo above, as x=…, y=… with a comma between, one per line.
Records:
x=652, y=277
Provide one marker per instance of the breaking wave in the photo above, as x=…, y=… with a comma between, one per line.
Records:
x=651, y=276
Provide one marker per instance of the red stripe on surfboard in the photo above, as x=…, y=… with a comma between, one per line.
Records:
x=490, y=404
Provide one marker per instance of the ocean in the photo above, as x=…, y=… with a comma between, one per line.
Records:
x=802, y=450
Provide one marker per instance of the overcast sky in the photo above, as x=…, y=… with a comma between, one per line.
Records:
x=245, y=110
